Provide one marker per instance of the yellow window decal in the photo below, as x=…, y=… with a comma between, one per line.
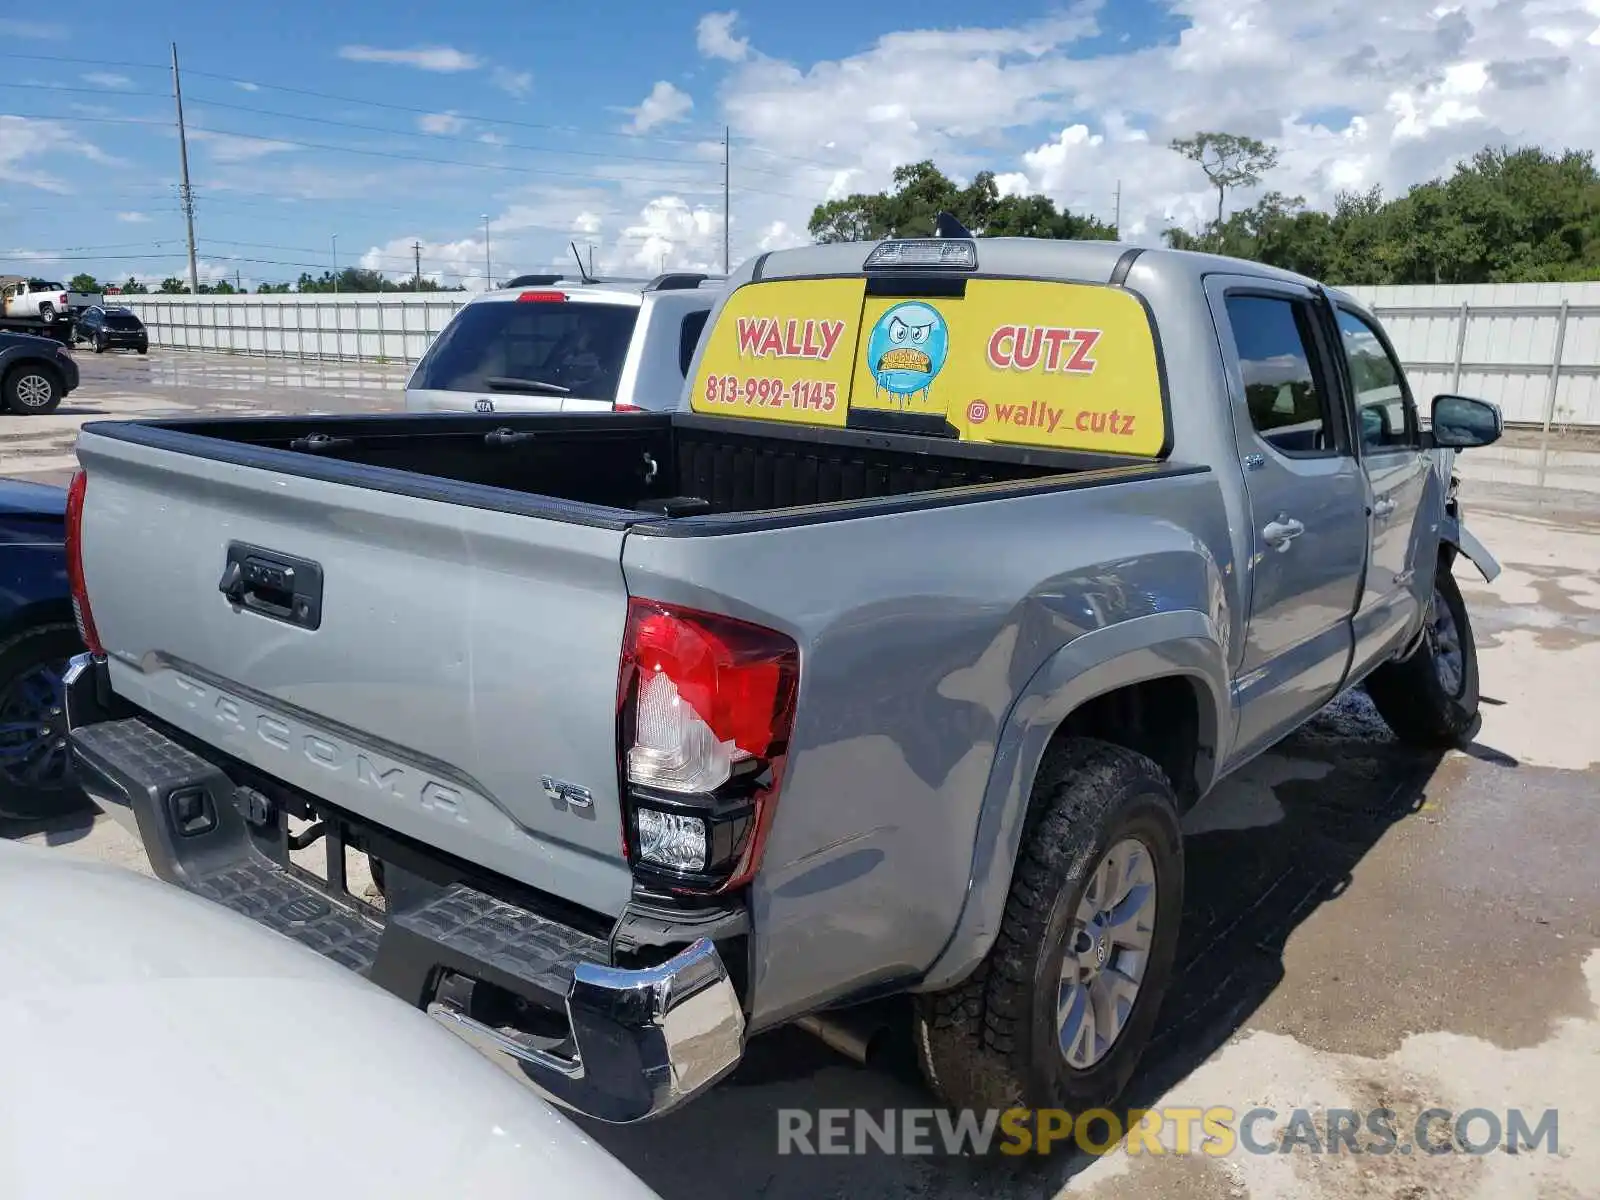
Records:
x=782, y=351
x=1023, y=362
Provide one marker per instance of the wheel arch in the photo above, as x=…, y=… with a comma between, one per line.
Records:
x=1167, y=671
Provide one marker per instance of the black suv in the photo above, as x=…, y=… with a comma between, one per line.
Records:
x=111, y=329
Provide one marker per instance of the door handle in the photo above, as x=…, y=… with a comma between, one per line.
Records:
x=1384, y=508
x=1280, y=533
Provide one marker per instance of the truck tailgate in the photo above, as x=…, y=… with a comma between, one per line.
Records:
x=462, y=656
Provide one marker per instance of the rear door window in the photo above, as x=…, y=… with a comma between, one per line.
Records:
x=573, y=348
x=125, y=321
x=1282, y=389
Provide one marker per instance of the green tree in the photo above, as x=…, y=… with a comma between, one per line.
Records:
x=920, y=192
x=274, y=289
x=134, y=288
x=1503, y=216
x=83, y=282
x=172, y=286
x=1229, y=160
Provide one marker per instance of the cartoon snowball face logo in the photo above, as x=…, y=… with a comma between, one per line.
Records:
x=907, y=349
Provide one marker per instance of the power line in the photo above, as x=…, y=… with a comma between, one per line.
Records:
x=387, y=154
x=211, y=102
x=407, y=108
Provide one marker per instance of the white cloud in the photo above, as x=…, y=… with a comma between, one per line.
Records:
x=1387, y=92
x=132, y=218
x=493, y=139
x=447, y=263
x=669, y=234
x=664, y=105
x=25, y=140
x=34, y=30
x=587, y=223
x=445, y=59
x=715, y=39
x=440, y=123
x=245, y=85
x=512, y=83
x=237, y=148
x=107, y=79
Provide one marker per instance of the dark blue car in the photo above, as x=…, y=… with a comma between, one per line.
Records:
x=37, y=637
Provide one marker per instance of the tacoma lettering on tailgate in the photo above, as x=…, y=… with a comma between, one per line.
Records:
x=243, y=720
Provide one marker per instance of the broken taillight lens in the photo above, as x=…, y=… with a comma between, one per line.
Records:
x=81, y=612
x=706, y=705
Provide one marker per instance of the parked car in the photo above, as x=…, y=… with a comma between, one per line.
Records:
x=36, y=374
x=45, y=299
x=37, y=638
x=891, y=667
x=111, y=329
x=553, y=345
x=195, y=1047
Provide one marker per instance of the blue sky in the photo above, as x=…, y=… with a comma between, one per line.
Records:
x=382, y=124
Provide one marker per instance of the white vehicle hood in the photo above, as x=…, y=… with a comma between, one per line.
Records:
x=157, y=1045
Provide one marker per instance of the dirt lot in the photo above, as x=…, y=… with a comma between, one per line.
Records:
x=1366, y=927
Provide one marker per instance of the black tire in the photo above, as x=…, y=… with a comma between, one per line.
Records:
x=47, y=313
x=43, y=646
x=99, y=344
x=30, y=379
x=1413, y=695
x=144, y=349
x=993, y=1041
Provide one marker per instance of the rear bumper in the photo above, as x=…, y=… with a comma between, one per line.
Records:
x=637, y=1042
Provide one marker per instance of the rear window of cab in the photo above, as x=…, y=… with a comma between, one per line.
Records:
x=1006, y=361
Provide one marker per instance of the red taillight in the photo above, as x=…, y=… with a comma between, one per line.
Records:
x=80, y=594
x=619, y=406
x=706, y=705
x=541, y=297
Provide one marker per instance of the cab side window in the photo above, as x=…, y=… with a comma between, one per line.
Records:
x=1283, y=386
x=1383, y=402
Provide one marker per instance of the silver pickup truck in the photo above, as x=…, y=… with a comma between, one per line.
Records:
x=887, y=665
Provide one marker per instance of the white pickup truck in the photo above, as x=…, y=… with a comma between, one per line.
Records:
x=36, y=305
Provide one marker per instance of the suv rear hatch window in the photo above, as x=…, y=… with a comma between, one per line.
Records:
x=1068, y=366
x=125, y=321
x=557, y=347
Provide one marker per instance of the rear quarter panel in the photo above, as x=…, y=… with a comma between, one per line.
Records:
x=919, y=632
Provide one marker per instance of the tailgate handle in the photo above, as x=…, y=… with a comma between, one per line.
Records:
x=273, y=585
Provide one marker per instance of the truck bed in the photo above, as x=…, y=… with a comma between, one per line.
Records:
x=618, y=470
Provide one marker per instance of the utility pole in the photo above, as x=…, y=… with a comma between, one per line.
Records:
x=185, y=192
x=727, y=170
x=416, y=251
x=1116, y=221
x=335, y=240
x=238, y=280
x=488, y=275
x=591, y=260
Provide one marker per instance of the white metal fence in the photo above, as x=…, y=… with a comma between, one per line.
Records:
x=364, y=327
x=1534, y=349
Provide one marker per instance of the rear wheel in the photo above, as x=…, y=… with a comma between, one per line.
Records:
x=47, y=313
x=1431, y=698
x=31, y=388
x=99, y=343
x=1060, y=1012
x=34, y=781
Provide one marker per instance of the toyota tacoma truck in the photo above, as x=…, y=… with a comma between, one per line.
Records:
x=887, y=664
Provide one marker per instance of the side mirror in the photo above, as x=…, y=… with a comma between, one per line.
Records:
x=1462, y=423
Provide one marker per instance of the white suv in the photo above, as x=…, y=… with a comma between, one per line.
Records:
x=545, y=344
